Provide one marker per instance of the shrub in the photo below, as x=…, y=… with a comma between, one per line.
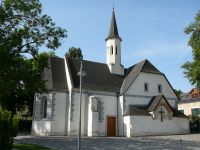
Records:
x=8, y=129
x=194, y=118
x=24, y=124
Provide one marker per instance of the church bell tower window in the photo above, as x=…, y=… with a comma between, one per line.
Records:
x=111, y=50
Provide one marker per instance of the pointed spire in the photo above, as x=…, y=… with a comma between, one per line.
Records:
x=113, y=32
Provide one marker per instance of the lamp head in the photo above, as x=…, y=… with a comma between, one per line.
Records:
x=83, y=73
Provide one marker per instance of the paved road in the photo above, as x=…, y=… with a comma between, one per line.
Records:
x=190, y=142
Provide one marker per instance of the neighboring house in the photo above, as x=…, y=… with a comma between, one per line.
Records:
x=116, y=101
x=19, y=114
x=22, y=114
x=190, y=102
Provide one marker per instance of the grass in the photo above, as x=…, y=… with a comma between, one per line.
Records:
x=30, y=147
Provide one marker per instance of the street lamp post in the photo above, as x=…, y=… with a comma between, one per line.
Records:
x=81, y=73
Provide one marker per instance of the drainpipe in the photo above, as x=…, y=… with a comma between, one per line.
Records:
x=85, y=114
x=123, y=120
x=117, y=115
x=123, y=127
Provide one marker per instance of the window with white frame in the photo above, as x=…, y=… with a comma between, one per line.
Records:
x=159, y=88
x=146, y=87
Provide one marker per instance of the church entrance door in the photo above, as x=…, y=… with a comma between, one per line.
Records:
x=110, y=126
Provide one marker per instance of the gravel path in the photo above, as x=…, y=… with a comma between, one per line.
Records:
x=190, y=142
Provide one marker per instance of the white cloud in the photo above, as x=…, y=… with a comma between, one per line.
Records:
x=169, y=53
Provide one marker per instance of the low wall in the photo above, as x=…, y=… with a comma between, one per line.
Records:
x=145, y=125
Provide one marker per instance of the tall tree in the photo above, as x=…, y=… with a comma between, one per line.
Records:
x=41, y=61
x=23, y=29
x=16, y=102
x=192, y=69
x=178, y=92
x=74, y=53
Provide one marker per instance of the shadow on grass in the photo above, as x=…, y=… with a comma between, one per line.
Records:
x=30, y=147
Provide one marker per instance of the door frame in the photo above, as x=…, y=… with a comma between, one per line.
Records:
x=115, y=123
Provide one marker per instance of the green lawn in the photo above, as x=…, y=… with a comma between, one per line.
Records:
x=30, y=147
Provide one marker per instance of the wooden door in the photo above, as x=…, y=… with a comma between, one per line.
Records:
x=110, y=126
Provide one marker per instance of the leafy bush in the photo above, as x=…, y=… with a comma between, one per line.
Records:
x=8, y=129
x=194, y=118
x=24, y=124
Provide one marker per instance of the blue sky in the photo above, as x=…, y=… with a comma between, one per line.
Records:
x=150, y=29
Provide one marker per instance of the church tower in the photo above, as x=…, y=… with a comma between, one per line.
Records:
x=114, y=48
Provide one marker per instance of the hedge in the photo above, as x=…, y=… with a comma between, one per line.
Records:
x=24, y=124
x=8, y=129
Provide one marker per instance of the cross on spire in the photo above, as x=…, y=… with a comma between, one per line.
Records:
x=113, y=7
x=161, y=112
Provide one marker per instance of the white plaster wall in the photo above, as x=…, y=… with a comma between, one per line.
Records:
x=109, y=109
x=41, y=127
x=120, y=117
x=113, y=58
x=93, y=118
x=74, y=125
x=137, y=88
x=69, y=113
x=58, y=126
x=145, y=125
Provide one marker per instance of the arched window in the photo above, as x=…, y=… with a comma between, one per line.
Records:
x=116, y=50
x=45, y=107
x=112, y=50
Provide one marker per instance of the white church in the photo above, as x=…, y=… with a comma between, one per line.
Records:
x=116, y=101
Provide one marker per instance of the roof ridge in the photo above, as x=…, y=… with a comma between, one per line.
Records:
x=86, y=60
x=135, y=76
x=147, y=61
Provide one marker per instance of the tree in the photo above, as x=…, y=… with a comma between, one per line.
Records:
x=16, y=102
x=23, y=29
x=192, y=69
x=41, y=61
x=74, y=53
x=178, y=92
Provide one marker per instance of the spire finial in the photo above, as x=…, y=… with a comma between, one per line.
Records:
x=113, y=7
